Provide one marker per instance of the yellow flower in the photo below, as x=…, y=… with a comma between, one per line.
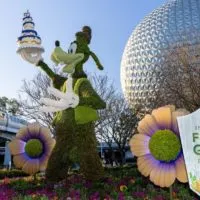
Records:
x=123, y=188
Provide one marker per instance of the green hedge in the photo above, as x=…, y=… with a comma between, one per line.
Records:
x=21, y=185
x=12, y=173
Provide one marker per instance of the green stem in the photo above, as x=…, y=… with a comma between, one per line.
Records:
x=35, y=177
x=171, y=192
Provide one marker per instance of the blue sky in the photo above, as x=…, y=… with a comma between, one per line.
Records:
x=112, y=22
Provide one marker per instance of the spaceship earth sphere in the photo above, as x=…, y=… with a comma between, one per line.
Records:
x=172, y=23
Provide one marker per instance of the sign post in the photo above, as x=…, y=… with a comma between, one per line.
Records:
x=189, y=128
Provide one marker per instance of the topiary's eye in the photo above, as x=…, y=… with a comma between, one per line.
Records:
x=72, y=48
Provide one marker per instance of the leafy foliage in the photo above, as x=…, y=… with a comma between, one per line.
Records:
x=12, y=173
x=22, y=185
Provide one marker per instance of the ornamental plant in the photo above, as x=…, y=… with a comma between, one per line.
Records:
x=31, y=148
x=158, y=147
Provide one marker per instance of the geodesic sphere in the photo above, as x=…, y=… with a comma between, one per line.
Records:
x=174, y=22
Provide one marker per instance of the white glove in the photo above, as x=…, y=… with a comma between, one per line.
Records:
x=67, y=100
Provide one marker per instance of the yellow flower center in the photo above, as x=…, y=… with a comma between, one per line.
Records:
x=164, y=145
x=34, y=148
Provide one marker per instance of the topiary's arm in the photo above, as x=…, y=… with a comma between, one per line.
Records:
x=89, y=97
x=46, y=69
x=58, y=81
x=96, y=60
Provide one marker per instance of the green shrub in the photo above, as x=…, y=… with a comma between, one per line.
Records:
x=23, y=185
x=28, y=197
x=12, y=173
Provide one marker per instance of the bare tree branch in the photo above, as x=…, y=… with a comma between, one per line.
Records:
x=179, y=78
x=29, y=96
x=117, y=122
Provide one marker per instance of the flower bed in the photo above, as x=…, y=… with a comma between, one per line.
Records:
x=120, y=183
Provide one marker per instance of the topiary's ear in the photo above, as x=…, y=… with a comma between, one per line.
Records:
x=88, y=33
x=57, y=43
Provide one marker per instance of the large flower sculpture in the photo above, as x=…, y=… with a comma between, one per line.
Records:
x=31, y=148
x=158, y=147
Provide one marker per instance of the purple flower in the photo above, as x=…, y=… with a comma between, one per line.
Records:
x=158, y=146
x=139, y=194
x=88, y=184
x=159, y=197
x=6, y=193
x=75, y=194
x=107, y=197
x=31, y=148
x=94, y=196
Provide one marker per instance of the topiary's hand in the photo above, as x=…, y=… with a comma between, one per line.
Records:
x=66, y=100
x=39, y=63
x=100, y=67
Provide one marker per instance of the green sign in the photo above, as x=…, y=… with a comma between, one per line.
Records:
x=189, y=128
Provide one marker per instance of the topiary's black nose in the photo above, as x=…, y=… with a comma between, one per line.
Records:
x=57, y=43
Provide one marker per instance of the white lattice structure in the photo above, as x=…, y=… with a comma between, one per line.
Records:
x=175, y=23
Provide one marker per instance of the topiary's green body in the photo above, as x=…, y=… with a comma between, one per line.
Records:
x=75, y=142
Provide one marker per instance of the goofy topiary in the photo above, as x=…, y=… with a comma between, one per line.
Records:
x=75, y=111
